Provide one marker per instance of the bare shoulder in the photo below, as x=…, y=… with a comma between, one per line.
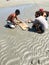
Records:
x=13, y=14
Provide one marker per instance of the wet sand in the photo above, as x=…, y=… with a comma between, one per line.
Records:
x=18, y=47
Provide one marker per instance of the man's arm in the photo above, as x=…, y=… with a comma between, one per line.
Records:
x=29, y=21
x=47, y=12
x=18, y=19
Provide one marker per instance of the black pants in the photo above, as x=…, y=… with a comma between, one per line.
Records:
x=38, y=27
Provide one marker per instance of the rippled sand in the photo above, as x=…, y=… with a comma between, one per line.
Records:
x=18, y=47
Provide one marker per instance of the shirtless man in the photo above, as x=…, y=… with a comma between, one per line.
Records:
x=10, y=20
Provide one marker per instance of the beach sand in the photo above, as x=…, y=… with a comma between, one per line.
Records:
x=18, y=47
x=5, y=3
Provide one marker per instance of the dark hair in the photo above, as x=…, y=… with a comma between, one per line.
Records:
x=17, y=12
x=38, y=13
x=41, y=13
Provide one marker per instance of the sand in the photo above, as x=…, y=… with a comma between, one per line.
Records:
x=7, y=3
x=18, y=47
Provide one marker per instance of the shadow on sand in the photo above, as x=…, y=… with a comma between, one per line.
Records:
x=33, y=29
x=6, y=26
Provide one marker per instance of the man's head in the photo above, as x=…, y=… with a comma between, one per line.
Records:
x=39, y=12
x=42, y=12
x=17, y=12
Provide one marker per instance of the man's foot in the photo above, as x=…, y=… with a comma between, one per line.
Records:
x=39, y=31
x=11, y=26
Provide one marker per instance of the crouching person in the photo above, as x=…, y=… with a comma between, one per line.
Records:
x=10, y=20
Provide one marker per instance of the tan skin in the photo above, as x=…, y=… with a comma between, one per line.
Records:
x=11, y=18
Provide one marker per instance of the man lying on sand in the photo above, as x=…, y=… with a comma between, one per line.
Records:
x=40, y=22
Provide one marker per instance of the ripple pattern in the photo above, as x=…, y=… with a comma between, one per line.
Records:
x=27, y=51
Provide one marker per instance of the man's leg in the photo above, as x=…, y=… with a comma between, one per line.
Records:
x=38, y=27
x=10, y=24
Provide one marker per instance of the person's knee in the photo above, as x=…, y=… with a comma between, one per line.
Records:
x=42, y=30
